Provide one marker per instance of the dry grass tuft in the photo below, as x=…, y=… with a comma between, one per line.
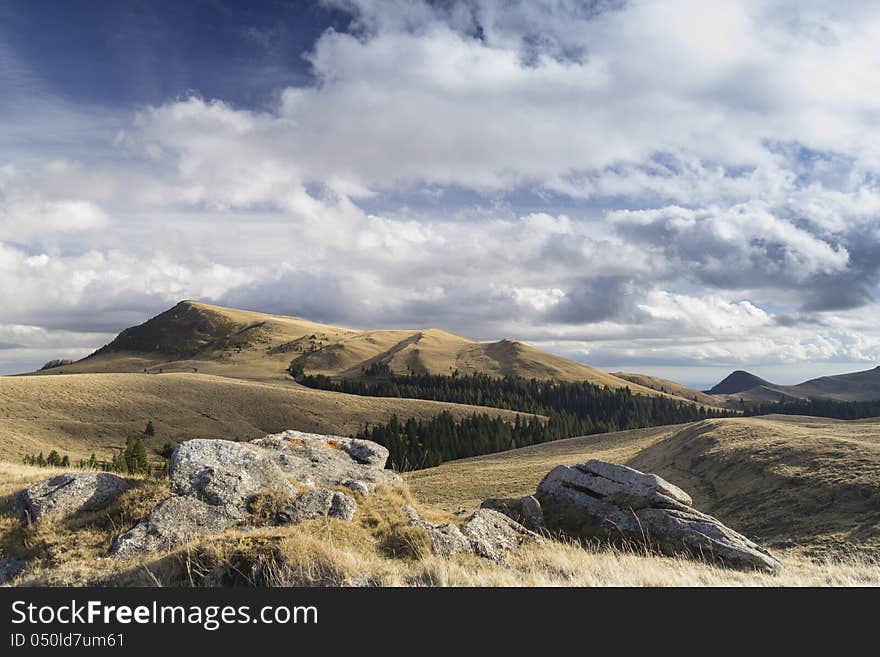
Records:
x=266, y=506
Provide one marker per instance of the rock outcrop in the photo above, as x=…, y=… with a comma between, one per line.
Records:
x=173, y=521
x=487, y=534
x=315, y=460
x=214, y=481
x=446, y=539
x=317, y=503
x=524, y=510
x=604, y=500
x=492, y=534
x=224, y=474
x=68, y=493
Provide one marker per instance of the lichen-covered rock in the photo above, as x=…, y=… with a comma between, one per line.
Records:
x=358, y=487
x=173, y=521
x=69, y=493
x=628, y=487
x=224, y=473
x=524, y=510
x=487, y=534
x=491, y=534
x=446, y=539
x=610, y=501
x=316, y=504
x=212, y=482
x=328, y=461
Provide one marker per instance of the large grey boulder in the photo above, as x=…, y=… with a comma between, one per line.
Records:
x=605, y=500
x=68, y=493
x=212, y=482
x=224, y=474
x=316, y=460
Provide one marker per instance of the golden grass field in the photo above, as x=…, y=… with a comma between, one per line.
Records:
x=378, y=548
x=78, y=414
x=807, y=484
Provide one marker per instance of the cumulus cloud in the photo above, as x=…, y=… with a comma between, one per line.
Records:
x=717, y=165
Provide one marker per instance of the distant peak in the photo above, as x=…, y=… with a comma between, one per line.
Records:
x=738, y=381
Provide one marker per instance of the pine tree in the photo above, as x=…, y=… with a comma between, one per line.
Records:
x=142, y=465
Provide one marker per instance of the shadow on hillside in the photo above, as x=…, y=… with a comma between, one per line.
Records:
x=782, y=491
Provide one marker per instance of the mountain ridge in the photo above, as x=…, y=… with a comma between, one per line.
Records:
x=863, y=385
x=196, y=337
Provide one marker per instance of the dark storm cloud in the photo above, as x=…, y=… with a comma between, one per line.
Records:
x=320, y=297
x=11, y=345
x=748, y=247
x=596, y=299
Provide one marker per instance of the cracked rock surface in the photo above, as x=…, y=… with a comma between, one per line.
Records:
x=598, y=499
x=487, y=534
x=317, y=460
x=68, y=493
x=213, y=482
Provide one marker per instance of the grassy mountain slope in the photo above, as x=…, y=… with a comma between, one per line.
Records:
x=200, y=338
x=852, y=386
x=787, y=481
x=82, y=413
x=672, y=387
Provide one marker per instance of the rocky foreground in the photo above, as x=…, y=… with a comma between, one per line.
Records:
x=292, y=477
x=607, y=501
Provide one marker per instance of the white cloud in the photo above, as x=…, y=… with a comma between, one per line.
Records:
x=711, y=315
x=709, y=170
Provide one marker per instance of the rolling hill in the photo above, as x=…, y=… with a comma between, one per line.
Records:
x=803, y=483
x=667, y=386
x=198, y=370
x=853, y=386
x=200, y=338
x=78, y=414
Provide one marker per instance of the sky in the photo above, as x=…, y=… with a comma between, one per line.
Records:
x=679, y=188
